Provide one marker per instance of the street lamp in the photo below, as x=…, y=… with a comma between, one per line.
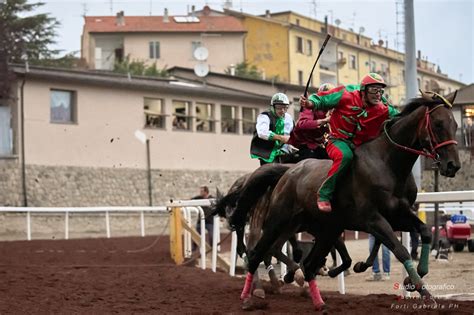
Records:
x=143, y=139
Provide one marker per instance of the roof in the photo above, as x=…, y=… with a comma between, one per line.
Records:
x=106, y=79
x=465, y=95
x=108, y=24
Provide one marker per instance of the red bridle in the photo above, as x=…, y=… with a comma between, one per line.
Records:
x=434, y=144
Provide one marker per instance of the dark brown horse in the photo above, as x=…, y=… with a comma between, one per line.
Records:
x=376, y=195
x=261, y=181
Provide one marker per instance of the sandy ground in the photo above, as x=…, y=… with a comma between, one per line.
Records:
x=136, y=275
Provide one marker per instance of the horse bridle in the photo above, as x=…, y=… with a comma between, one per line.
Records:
x=426, y=124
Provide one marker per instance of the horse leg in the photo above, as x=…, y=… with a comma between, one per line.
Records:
x=315, y=260
x=257, y=254
x=257, y=288
x=362, y=266
x=271, y=273
x=297, y=252
x=381, y=229
x=241, y=249
x=341, y=248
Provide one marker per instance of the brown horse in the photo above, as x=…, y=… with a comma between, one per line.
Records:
x=225, y=205
x=376, y=195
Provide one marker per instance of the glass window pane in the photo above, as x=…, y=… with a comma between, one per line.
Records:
x=181, y=118
x=229, y=123
x=468, y=126
x=204, y=117
x=154, y=113
x=61, y=106
x=152, y=50
x=249, y=119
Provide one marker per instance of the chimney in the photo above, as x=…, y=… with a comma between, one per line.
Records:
x=326, y=24
x=193, y=9
x=267, y=14
x=419, y=54
x=206, y=10
x=232, y=69
x=166, y=18
x=120, y=19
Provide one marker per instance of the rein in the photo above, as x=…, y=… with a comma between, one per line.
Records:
x=434, y=145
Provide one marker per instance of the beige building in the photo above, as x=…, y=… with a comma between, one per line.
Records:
x=166, y=40
x=346, y=59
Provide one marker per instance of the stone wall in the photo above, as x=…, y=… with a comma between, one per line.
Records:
x=77, y=186
x=464, y=179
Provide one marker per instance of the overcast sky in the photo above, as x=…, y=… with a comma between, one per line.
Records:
x=443, y=29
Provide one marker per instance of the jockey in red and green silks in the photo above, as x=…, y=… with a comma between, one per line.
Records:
x=359, y=111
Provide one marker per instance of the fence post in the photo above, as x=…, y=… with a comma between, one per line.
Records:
x=176, y=241
x=142, y=222
x=66, y=225
x=28, y=226
x=107, y=223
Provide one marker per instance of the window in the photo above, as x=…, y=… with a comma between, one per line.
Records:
x=181, y=116
x=373, y=66
x=384, y=69
x=352, y=62
x=63, y=106
x=468, y=126
x=154, y=113
x=340, y=55
x=229, y=122
x=300, y=77
x=194, y=46
x=154, y=50
x=249, y=119
x=205, y=117
x=419, y=82
x=6, y=132
x=299, y=44
x=298, y=22
x=309, y=45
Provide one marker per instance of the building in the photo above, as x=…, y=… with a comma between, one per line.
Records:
x=166, y=40
x=284, y=46
x=79, y=133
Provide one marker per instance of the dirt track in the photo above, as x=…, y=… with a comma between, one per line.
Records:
x=136, y=275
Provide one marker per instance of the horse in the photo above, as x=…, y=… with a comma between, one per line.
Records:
x=225, y=205
x=375, y=195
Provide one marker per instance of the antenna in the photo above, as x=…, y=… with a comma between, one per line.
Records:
x=112, y=7
x=84, y=9
x=151, y=5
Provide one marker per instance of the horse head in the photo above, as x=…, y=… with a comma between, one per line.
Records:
x=438, y=132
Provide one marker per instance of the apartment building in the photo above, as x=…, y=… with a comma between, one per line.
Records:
x=166, y=40
x=346, y=59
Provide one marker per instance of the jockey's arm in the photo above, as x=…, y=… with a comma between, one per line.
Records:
x=307, y=121
x=327, y=101
x=264, y=132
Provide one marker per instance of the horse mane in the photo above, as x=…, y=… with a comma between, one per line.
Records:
x=412, y=105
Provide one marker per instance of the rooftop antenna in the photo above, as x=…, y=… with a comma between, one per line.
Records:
x=151, y=5
x=111, y=6
x=84, y=9
x=314, y=5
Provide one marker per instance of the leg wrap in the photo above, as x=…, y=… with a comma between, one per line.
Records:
x=247, y=287
x=415, y=278
x=315, y=294
x=424, y=257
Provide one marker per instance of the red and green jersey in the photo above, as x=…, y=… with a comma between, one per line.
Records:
x=350, y=119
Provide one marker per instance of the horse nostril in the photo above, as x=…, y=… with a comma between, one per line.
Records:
x=452, y=167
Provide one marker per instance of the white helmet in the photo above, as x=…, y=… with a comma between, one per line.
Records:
x=280, y=99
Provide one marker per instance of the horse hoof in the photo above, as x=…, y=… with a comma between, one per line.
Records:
x=408, y=285
x=289, y=277
x=360, y=267
x=260, y=293
x=299, y=277
x=251, y=304
x=319, y=307
x=323, y=271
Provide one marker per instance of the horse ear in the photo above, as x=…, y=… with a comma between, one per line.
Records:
x=218, y=194
x=427, y=95
x=453, y=97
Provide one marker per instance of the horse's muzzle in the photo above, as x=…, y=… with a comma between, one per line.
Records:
x=450, y=169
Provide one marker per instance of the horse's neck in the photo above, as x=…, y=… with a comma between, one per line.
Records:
x=405, y=133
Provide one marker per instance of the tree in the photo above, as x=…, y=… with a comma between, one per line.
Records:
x=246, y=70
x=30, y=35
x=137, y=67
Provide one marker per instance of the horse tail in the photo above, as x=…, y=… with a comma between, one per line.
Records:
x=263, y=180
x=225, y=204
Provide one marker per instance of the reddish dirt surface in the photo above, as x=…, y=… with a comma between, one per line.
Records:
x=136, y=275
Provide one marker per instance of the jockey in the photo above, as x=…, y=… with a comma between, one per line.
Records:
x=272, y=131
x=359, y=111
x=308, y=134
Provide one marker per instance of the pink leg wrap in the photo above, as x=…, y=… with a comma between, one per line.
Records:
x=315, y=295
x=248, y=285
